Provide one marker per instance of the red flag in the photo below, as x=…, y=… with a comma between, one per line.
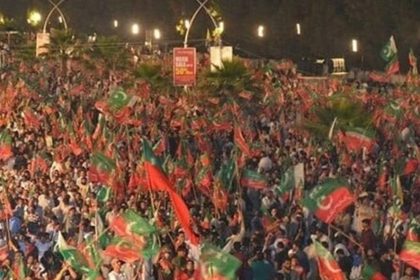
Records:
x=240, y=142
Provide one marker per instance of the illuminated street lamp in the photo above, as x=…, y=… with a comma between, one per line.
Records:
x=135, y=29
x=115, y=23
x=298, y=30
x=187, y=24
x=156, y=34
x=354, y=46
x=260, y=31
x=34, y=18
x=2, y=20
x=221, y=27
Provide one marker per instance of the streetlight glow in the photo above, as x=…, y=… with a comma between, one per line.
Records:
x=187, y=24
x=34, y=18
x=298, y=31
x=260, y=31
x=60, y=19
x=135, y=29
x=115, y=23
x=354, y=46
x=157, y=34
x=221, y=27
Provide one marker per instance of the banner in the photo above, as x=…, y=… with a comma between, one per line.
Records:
x=184, y=66
x=42, y=42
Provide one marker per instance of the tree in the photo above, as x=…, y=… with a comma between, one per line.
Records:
x=111, y=51
x=63, y=45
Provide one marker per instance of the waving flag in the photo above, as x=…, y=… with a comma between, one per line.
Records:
x=72, y=255
x=369, y=273
x=101, y=168
x=329, y=199
x=5, y=145
x=390, y=56
x=355, y=139
x=411, y=253
x=253, y=179
x=118, y=100
x=327, y=266
x=240, y=141
x=217, y=265
x=158, y=181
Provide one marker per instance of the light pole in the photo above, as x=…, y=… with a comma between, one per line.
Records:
x=261, y=31
x=53, y=9
x=135, y=29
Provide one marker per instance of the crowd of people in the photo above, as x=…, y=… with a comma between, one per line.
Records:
x=53, y=124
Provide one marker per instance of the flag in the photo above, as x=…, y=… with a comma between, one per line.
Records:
x=19, y=269
x=411, y=253
x=412, y=60
x=369, y=273
x=240, y=141
x=327, y=266
x=130, y=223
x=355, y=139
x=389, y=51
x=72, y=255
x=410, y=167
x=5, y=145
x=118, y=100
x=329, y=199
x=123, y=250
x=389, y=55
x=101, y=168
x=216, y=264
x=253, y=179
x=226, y=174
x=31, y=120
x=158, y=181
x=287, y=182
x=104, y=194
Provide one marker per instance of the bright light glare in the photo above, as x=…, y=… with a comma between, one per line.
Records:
x=135, y=29
x=221, y=26
x=115, y=23
x=187, y=24
x=298, y=31
x=157, y=34
x=354, y=45
x=34, y=18
x=261, y=31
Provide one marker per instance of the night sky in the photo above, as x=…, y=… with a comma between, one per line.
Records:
x=328, y=26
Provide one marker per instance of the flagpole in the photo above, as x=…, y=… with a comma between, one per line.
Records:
x=346, y=235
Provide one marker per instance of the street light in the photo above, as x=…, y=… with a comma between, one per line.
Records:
x=115, y=23
x=2, y=20
x=298, y=31
x=34, y=18
x=156, y=34
x=60, y=19
x=354, y=46
x=260, y=31
x=187, y=24
x=221, y=27
x=135, y=29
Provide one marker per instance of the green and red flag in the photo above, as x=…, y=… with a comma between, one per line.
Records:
x=240, y=141
x=329, y=199
x=102, y=168
x=253, y=179
x=226, y=174
x=410, y=253
x=389, y=54
x=130, y=223
x=159, y=181
x=355, y=139
x=118, y=100
x=396, y=188
x=123, y=249
x=217, y=265
x=327, y=266
x=369, y=273
x=31, y=120
x=72, y=255
x=5, y=145
x=19, y=269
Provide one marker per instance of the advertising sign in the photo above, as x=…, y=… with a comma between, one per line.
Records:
x=184, y=66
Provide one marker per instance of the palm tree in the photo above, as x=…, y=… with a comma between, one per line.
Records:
x=232, y=82
x=111, y=51
x=63, y=46
x=341, y=110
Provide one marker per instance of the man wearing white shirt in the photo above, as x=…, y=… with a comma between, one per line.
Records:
x=116, y=273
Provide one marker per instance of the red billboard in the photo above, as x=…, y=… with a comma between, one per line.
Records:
x=184, y=66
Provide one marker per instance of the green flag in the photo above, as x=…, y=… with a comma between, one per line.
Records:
x=216, y=263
